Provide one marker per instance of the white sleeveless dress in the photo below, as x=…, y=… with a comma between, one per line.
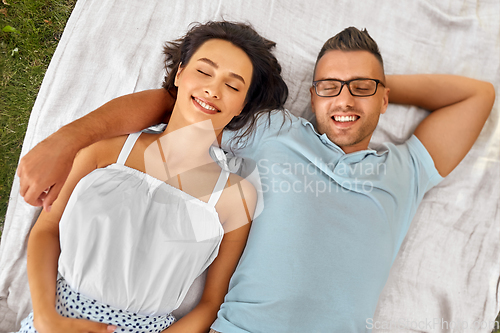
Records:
x=135, y=243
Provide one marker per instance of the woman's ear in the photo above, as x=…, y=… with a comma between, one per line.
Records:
x=179, y=70
x=241, y=109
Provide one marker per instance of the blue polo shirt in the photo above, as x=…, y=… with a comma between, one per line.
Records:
x=319, y=254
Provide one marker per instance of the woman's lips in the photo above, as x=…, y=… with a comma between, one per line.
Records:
x=205, y=106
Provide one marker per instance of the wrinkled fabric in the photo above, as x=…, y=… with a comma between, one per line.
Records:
x=447, y=267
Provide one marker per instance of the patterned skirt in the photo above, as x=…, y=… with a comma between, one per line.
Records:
x=71, y=304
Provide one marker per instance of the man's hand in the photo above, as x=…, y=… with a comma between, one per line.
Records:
x=41, y=185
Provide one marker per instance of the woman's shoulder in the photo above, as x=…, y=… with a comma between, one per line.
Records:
x=237, y=204
x=108, y=150
x=105, y=151
x=246, y=187
x=232, y=164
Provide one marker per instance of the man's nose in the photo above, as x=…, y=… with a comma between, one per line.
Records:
x=345, y=98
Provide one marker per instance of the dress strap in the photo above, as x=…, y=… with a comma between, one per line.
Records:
x=219, y=187
x=127, y=148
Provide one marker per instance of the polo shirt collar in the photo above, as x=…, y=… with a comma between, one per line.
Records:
x=349, y=158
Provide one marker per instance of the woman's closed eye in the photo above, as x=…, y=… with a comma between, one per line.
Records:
x=204, y=73
x=234, y=88
x=209, y=75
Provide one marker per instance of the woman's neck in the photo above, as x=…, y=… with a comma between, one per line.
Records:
x=186, y=147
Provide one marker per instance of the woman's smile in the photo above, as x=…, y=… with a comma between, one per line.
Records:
x=215, y=81
x=204, y=106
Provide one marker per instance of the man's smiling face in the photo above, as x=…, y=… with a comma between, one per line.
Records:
x=349, y=121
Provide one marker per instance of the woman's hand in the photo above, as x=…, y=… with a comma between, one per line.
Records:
x=60, y=324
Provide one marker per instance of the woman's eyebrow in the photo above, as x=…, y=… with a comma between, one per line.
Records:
x=213, y=64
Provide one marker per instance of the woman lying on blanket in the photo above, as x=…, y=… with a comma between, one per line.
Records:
x=141, y=216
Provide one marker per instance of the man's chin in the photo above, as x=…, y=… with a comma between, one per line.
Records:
x=341, y=142
x=344, y=143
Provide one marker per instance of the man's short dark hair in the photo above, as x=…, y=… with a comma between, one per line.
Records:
x=351, y=39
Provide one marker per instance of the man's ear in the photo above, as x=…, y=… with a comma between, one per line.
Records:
x=385, y=101
x=311, y=90
x=179, y=70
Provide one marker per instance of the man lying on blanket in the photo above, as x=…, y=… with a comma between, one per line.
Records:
x=336, y=211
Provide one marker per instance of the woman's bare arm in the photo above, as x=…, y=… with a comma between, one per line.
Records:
x=43, y=255
x=220, y=271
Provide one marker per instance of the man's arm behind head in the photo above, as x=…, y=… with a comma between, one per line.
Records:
x=460, y=107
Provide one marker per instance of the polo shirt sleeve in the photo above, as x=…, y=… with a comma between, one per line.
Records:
x=426, y=173
x=422, y=176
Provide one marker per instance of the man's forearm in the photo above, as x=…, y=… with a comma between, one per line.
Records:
x=123, y=115
x=432, y=91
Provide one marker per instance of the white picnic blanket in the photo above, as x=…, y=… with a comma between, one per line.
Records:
x=447, y=271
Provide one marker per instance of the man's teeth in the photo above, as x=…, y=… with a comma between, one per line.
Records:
x=343, y=119
x=206, y=106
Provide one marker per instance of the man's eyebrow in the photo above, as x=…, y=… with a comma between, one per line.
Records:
x=355, y=77
x=213, y=64
x=336, y=78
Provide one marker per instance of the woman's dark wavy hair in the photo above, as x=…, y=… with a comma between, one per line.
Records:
x=267, y=90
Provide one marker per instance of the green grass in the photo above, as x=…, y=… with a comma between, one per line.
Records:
x=497, y=320
x=25, y=54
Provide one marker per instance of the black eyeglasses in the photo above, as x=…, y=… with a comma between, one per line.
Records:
x=357, y=87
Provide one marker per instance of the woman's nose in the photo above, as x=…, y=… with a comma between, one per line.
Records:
x=212, y=90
